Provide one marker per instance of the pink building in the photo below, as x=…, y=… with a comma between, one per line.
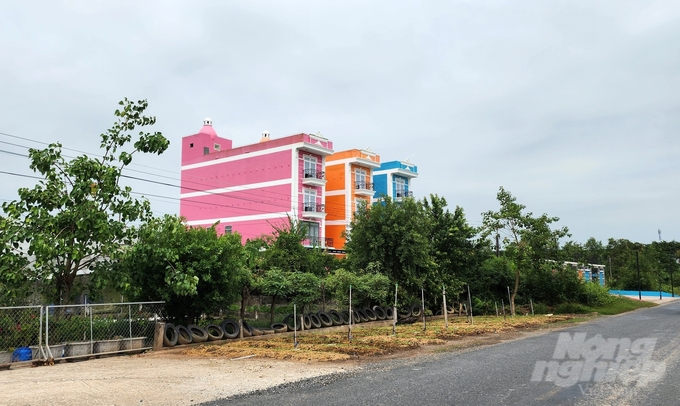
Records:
x=249, y=188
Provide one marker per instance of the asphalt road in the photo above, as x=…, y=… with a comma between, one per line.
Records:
x=505, y=374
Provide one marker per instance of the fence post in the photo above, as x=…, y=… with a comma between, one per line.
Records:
x=130, y=319
x=158, y=335
x=349, y=326
x=472, y=320
x=532, y=306
x=91, y=337
x=496, y=306
x=446, y=311
x=394, y=311
x=422, y=308
x=295, y=343
x=47, y=332
x=503, y=304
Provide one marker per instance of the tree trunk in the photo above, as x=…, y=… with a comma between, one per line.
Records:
x=242, y=313
x=271, y=311
x=514, y=293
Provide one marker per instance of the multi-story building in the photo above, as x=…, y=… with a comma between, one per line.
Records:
x=349, y=185
x=393, y=179
x=250, y=188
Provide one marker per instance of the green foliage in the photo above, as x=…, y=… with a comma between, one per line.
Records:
x=192, y=268
x=572, y=308
x=528, y=241
x=594, y=295
x=79, y=216
x=367, y=288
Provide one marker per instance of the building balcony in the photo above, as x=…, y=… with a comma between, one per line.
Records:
x=316, y=242
x=313, y=211
x=363, y=188
x=402, y=194
x=312, y=177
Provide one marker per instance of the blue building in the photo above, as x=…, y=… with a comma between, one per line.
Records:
x=393, y=179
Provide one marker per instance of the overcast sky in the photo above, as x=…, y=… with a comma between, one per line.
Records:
x=573, y=106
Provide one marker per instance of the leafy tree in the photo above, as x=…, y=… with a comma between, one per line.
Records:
x=528, y=241
x=455, y=252
x=395, y=238
x=367, y=288
x=305, y=288
x=193, y=269
x=16, y=276
x=79, y=216
x=275, y=283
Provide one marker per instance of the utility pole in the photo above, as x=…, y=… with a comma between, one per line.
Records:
x=611, y=278
x=637, y=261
x=658, y=272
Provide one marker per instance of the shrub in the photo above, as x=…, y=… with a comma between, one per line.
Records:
x=572, y=308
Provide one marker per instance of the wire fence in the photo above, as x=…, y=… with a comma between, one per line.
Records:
x=68, y=331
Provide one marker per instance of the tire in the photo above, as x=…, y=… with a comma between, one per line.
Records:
x=308, y=322
x=291, y=323
x=336, y=317
x=416, y=311
x=379, y=312
x=232, y=325
x=279, y=327
x=325, y=319
x=170, y=335
x=247, y=330
x=183, y=336
x=404, y=313
x=198, y=333
x=356, y=319
x=215, y=332
x=389, y=313
x=370, y=314
x=450, y=309
x=267, y=331
x=253, y=330
x=362, y=315
x=314, y=319
x=345, y=317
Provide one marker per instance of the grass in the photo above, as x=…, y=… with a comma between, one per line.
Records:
x=615, y=305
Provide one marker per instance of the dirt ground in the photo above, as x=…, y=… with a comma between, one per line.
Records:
x=150, y=379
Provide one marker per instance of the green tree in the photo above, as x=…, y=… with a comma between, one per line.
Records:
x=367, y=288
x=528, y=241
x=193, y=269
x=79, y=216
x=275, y=283
x=394, y=238
x=455, y=253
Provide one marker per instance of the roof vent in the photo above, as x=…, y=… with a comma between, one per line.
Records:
x=265, y=136
x=207, y=121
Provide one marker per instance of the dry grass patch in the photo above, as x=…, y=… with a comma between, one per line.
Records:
x=316, y=345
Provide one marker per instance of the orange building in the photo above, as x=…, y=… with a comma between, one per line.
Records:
x=348, y=175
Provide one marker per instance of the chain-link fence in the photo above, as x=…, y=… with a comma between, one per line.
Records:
x=21, y=328
x=78, y=330
x=69, y=331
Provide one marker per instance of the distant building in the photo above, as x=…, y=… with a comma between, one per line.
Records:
x=249, y=188
x=393, y=179
x=589, y=272
x=349, y=175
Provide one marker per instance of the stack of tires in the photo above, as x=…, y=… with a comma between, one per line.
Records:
x=229, y=329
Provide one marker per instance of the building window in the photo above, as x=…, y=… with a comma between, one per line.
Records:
x=217, y=147
x=400, y=186
x=360, y=179
x=206, y=150
x=312, y=234
x=310, y=166
x=227, y=229
x=191, y=145
x=309, y=199
x=358, y=203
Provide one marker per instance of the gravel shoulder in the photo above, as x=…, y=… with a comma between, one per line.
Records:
x=151, y=379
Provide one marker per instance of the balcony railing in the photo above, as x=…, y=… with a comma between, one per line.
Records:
x=404, y=193
x=314, y=208
x=363, y=185
x=316, y=241
x=314, y=174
